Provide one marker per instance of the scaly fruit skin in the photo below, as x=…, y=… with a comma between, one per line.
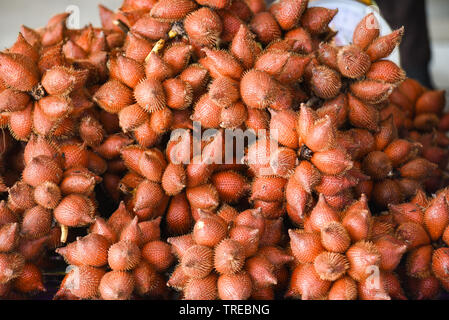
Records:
x=219, y=251
x=419, y=113
x=132, y=249
x=425, y=232
x=101, y=105
x=61, y=72
x=337, y=251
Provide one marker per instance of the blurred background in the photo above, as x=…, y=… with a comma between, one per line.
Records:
x=36, y=13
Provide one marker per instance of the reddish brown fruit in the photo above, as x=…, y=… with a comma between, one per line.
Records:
x=363, y=257
x=424, y=289
x=436, y=217
x=197, y=262
x=150, y=95
x=12, y=100
x=231, y=24
x=178, y=218
x=332, y=162
x=419, y=260
x=36, y=223
x=231, y=186
x=305, y=246
x=91, y=131
x=384, y=46
x=358, y=220
x=116, y=285
x=123, y=255
x=317, y=19
x=234, y=286
x=151, y=28
x=256, y=89
x=151, y=165
x=20, y=197
x=179, y=94
x=222, y=63
x=431, y=102
x=158, y=255
x=321, y=215
x=181, y=244
x=412, y=234
x=229, y=257
x=353, y=62
x=201, y=289
x=267, y=188
x=203, y=197
x=400, y=151
x=131, y=117
x=9, y=237
x=371, y=91
x=326, y=83
x=244, y=47
x=113, y=96
x=440, y=263
x=132, y=233
x=418, y=169
x=387, y=192
x=368, y=291
x=288, y=12
x=377, y=165
x=197, y=76
x=330, y=266
x=62, y=81
x=209, y=230
x=335, y=238
x=145, y=278
x=366, y=31
x=172, y=11
x=391, y=251
x=157, y=68
x=30, y=280
x=174, y=179
x=82, y=282
x=287, y=67
x=343, y=289
x=204, y=34
x=386, y=71
x=207, y=112
x=21, y=123
x=18, y=72
x=247, y=237
x=91, y=250
x=363, y=115
x=11, y=265
x=265, y=27
x=261, y=271
x=101, y=228
x=75, y=211
x=306, y=283
x=148, y=194
x=298, y=39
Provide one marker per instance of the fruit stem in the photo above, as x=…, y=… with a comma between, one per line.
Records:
x=64, y=233
x=157, y=47
x=119, y=23
x=172, y=34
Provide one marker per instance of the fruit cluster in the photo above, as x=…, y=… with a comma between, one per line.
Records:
x=332, y=190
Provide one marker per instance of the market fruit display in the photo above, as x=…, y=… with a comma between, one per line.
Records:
x=106, y=192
